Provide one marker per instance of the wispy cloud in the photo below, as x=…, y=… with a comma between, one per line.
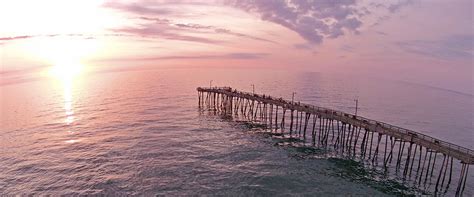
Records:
x=202, y=28
x=240, y=56
x=245, y=55
x=304, y=46
x=347, y=48
x=139, y=8
x=400, y=4
x=84, y=36
x=448, y=48
x=15, y=38
x=229, y=32
x=158, y=7
x=163, y=31
x=392, y=8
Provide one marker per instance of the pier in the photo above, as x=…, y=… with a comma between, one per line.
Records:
x=421, y=160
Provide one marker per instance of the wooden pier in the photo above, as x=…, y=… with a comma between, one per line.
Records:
x=350, y=135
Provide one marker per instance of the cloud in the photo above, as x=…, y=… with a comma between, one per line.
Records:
x=314, y=20
x=229, y=32
x=6, y=39
x=161, y=28
x=448, y=48
x=400, y=4
x=84, y=36
x=392, y=8
x=139, y=8
x=15, y=38
x=240, y=56
x=204, y=28
x=245, y=55
x=163, y=31
x=303, y=46
x=347, y=48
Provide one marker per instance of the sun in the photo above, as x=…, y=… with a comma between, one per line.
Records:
x=66, y=55
x=66, y=70
x=65, y=60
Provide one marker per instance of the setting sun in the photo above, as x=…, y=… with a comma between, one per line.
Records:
x=65, y=56
x=66, y=70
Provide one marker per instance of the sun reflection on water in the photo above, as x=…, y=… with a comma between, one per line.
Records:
x=68, y=108
x=66, y=76
x=68, y=102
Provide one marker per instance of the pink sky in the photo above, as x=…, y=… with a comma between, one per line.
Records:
x=422, y=41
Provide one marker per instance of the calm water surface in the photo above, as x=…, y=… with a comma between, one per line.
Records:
x=141, y=133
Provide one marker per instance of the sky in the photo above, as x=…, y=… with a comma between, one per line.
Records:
x=427, y=42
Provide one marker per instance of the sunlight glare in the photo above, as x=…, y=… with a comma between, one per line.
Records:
x=66, y=71
x=65, y=55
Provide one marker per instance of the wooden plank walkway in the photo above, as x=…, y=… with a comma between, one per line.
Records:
x=346, y=132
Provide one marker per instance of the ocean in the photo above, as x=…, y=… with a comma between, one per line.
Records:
x=141, y=132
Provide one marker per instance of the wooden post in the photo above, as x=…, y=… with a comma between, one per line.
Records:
x=291, y=122
x=313, y=130
x=283, y=121
x=306, y=125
